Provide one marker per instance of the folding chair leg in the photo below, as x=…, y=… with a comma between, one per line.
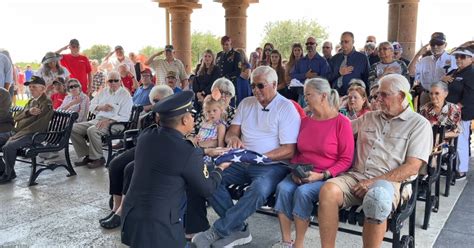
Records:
x=428, y=206
x=449, y=176
x=411, y=225
x=109, y=152
x=437, y=189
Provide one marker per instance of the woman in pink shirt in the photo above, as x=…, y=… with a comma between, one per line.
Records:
x=325, y=141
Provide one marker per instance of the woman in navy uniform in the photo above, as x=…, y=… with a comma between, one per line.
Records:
x=165, y=165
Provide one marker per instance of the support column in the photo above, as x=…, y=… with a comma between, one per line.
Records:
x=402, y=22
x=236, y=20
x=180, y=12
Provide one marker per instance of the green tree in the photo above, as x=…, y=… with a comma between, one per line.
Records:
x=282, y=34
x=148, y=51
x=97, y=52
x=34, y=65
x=202, y=41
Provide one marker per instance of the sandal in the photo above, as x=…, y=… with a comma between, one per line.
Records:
x=107, y=217
x=112, y=222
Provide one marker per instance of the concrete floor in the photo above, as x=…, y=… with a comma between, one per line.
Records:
x=64, y=212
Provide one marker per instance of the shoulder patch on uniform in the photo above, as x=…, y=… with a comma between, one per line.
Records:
x=205, y=171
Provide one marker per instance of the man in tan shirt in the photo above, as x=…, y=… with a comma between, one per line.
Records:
x=34, y=118
x=392, y=144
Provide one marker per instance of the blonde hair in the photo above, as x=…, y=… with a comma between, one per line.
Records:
x=209, y=102
x=361, y=91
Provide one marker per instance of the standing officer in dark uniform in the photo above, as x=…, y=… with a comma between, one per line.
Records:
x=229, y=60
x=165, y=165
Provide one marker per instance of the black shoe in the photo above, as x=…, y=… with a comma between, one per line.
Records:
x=84, y=161
x=111, y=223
x=4, y=179
x=460, y=176
x=96, y=163
x=107, y=217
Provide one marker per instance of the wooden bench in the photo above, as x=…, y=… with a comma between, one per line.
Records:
x=55, y=139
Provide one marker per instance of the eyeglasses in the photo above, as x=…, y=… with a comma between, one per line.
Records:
x=384, y=94
x=225, y=93
x=326, y=47
x=385, y=48
x=113, y=80
x=373, y=97
x=73, y=86
x=460, y=56
x=435, y=43
x=310, y=43
x=258, y=85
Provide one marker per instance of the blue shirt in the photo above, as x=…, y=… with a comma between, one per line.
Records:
x=28, y=75
x=361, y=70
x=140, y=97
x=317, y=64
x=177, y=89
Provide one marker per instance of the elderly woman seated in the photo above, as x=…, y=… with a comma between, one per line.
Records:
x=295, y=196
x=440, y=112
x=76, y=100
x=356, y=102
x=113, y=104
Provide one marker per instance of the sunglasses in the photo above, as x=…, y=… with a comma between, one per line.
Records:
x=258, y=85
x=156, y=100
x=373, y=97
x=73, y=86
x=460, y=56
x=310, y=43
x=113, y=80
x=436, y=44
x=345, y=41
x=268, y=50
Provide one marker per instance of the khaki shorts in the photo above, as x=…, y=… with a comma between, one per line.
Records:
x=346, y=182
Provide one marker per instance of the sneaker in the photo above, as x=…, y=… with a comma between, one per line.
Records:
x=283, y=244
x=236, y=238
x=205, y=239
x=460, y=176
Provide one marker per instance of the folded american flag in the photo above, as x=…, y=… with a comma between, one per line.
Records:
x=243, y=156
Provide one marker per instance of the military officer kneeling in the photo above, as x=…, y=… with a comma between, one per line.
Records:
x=165, y=165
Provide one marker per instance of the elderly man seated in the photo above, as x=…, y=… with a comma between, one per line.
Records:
x=392, y=144
x=33, y=118
x=112, y=104
x=267, y=123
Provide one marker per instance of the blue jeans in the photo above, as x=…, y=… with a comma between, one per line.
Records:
x=297, y=200
x=263, y=180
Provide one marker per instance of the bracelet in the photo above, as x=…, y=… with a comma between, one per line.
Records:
x=326, y=175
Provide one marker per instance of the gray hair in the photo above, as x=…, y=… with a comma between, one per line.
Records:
x=267, y=72
x=398, y=83
x=114, y=74
x=161, y=90
x=224, y=84
x=322, y=85
x=386, y=43
x=442, y=85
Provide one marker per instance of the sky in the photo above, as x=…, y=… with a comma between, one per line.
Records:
x=30, y=28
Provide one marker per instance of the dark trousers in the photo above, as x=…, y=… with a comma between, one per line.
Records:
x=196, y=213
x=10, y=150
x=117, y=169
x=127, y=176
x=3, y=139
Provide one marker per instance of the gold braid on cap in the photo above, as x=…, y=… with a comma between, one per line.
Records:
x=182, y=107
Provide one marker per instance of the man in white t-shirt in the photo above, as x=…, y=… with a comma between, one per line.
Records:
x=267, y=123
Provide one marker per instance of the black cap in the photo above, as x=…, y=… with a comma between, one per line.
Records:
x=438, y=37
x=174, y=105
x=74, y=42
x=169, y=48
x=118, y=47
x=35, y=80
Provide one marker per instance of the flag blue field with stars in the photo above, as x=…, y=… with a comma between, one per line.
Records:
x=243, y=156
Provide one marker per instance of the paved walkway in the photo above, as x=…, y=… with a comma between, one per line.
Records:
x=64, y=212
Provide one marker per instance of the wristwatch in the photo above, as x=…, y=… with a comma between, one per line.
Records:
x=326, y=175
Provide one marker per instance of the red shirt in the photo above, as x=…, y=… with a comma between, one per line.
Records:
x=128, y=83
x=57, y=99
x=79, y=67
x=328, y=144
